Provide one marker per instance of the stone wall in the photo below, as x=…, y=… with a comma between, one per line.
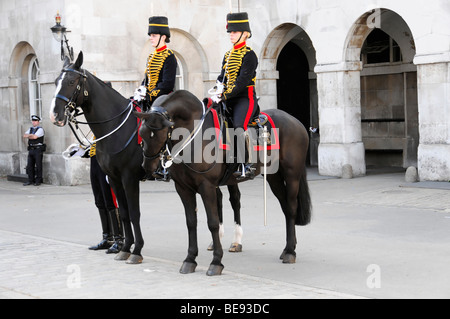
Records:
x=113, y=37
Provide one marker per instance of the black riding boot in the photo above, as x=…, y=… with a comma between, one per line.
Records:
x=247, y=169
x=103, y=244
x=104, y=219
x=117, y=230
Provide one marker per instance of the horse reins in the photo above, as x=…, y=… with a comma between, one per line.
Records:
x=166, y=148
x=72, y=110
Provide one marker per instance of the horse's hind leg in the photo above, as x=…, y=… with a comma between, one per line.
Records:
x=235, y=200
x=286, y=192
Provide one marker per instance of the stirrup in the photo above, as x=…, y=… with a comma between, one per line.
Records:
x=246, y=171
x=162, y=175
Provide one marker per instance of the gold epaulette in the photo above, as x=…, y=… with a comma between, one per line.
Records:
x=155, y=63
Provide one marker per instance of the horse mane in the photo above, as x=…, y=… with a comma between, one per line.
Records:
x=182, y=104
x=104, y=85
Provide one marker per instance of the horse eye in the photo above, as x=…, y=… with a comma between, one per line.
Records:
x=152, y=134
x=72, y=82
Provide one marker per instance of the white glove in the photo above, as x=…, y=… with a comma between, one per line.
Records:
x=73, y=150
x=216, y=98
x=217, y=90
x=139, y=94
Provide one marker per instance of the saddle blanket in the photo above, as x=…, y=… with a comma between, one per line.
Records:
x=255, y=127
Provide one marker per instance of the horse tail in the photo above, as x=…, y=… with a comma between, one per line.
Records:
x=304, y=210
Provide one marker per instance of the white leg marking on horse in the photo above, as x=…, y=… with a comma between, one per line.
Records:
x=238, y=232
x=221, y=231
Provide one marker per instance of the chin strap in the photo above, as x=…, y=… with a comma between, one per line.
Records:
x=242, y=33
x=160, y=36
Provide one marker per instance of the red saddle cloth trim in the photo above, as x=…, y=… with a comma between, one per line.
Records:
x=138, y=109
x=219, y=134
x=275, y=145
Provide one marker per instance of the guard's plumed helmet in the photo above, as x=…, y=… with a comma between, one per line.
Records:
x=238, y=22
x=159, y=25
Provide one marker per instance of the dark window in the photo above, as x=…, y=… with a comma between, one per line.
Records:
x=379, y=47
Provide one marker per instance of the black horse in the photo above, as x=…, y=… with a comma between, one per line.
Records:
x=118, y=154
x=115, y=127
x=182, y=111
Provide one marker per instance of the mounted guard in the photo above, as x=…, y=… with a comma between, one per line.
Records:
x=161, y=69
x=236, y=87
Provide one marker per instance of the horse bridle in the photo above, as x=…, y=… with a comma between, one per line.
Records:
x=165, y=148
x=71, y=107
x=167, y=160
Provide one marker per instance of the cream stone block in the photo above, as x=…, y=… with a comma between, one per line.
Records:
x=332, y=157
x=434, y=162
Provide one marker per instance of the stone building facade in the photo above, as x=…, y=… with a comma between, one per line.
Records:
x=372, y=75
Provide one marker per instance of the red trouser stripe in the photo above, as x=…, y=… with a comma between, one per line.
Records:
x=251, y=106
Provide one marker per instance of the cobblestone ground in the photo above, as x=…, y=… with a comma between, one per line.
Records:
x=371, y=237
x=35, y=267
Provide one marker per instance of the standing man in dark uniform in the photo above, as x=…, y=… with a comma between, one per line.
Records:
x=36, y=148
x=112, y=228
x=161, y=71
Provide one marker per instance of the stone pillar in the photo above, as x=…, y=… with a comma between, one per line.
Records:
x=433, y=79
x=266, y=87
x=339, y=93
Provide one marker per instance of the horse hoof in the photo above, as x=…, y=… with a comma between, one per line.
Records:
x=235, y=248
x=215, y=270
x=122, y=255
x=283, y=254
x=188, y=268
x=211, y=247
x=134, y=259
x=289, y=259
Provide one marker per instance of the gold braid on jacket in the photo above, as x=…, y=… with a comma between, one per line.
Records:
x=234, y=59
x=93, y=149
x=155, y=64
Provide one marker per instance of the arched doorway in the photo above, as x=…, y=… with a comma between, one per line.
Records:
x=293, y=92
x=389, y=104
x=288, y=60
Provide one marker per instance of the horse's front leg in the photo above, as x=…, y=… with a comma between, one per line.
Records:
x=209, y=197
x=220, y=212
x=124, y=216
x=190, y=208
x=132, y=193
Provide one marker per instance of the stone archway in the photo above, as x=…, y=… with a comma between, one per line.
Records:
x=384, y=44
x=287, y=46
x=21, y=57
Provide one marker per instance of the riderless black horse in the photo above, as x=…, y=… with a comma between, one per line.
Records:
x=183, y=111
x=110, y=118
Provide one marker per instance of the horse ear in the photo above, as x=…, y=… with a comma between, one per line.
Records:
x=66, y=62
x=79, y=61
x=141, y=115
x=168, y=123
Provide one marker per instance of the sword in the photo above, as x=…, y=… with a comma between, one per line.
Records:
x=265, y=137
